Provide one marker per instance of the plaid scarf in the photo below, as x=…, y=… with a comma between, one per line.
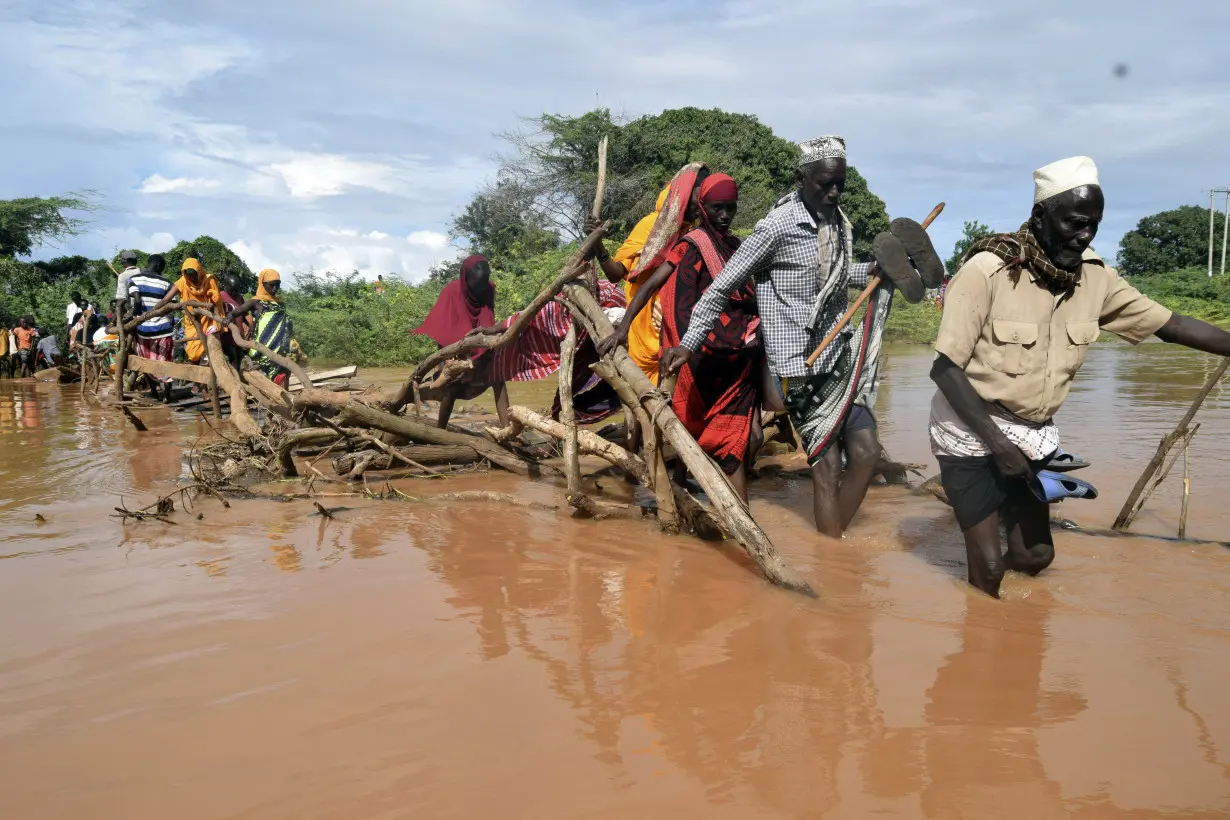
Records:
x=1021, y=250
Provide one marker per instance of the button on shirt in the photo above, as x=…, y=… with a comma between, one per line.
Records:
x=1021, y=345
x=793, y=259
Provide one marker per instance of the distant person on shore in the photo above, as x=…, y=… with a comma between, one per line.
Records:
x=378, y=285
x=466, y=303
x=129, y=260
x=1019, y=317
x=147, y=290
x=48, y=352
x=801, y=256
x=273, y=326
x=195, y=284
x=7, y=345
x=25, y=335
x=75, y=308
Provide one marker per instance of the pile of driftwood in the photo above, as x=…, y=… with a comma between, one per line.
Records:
x=284, y=434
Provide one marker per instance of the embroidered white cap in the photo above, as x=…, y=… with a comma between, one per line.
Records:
x=1064, y=175
x=827, y=147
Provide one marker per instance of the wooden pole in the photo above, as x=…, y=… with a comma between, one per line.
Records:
x=1130, y=506
x=596, y=211
x=729, y=510
x=1187, y=486
x=872, y=284
x=568, y=416
x=121, y=358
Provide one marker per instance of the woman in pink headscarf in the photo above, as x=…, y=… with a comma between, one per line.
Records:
x=466, y=303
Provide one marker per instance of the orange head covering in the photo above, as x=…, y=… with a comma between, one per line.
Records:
x=265, y=277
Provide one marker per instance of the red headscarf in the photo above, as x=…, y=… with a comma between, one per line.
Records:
x=719, y=188
x=458, y=311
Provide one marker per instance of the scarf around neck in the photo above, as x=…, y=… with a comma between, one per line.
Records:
x=1021, y=250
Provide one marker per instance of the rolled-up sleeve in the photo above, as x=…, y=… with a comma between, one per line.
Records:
x=859, y=274
x=967, y=304
x=1130, y=314
x=753, y=255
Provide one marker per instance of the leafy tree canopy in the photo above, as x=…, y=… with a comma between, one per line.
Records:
x=1169, y=241
x=30, y=222
x=971, y=233
x=217, y=258
x=547, y=182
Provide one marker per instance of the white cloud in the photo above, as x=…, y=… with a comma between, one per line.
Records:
x=325, y=248
x=428, y=239
x=377, y=235
x=253, y=255
x=158, y=184
x=309, y=176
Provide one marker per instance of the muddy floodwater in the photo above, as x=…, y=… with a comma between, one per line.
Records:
x=487, y=661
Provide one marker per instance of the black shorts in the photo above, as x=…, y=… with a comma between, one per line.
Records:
x=859, y=418
x=976, y=488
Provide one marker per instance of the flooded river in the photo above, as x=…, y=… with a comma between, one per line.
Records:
x=435, y=661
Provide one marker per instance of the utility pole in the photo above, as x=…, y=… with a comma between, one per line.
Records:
x=1225, y=230
x=1225, y=218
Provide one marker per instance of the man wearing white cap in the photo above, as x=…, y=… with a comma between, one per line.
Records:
x=1019, y=317
x=801, y=258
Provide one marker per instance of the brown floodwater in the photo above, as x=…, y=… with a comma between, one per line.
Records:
x=478, y=660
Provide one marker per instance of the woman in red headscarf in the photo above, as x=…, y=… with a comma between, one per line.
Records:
x=718, y=395
x=466, y=303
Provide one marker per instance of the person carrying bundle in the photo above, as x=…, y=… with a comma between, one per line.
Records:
x=1019, y=317
x=801, y=258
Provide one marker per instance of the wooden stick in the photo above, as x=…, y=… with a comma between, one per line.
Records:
x=1187, y=486
x=872, y=284
x=596, y=211
x=1130, y=506
x=1159, y=477
x=568, y=416
x=728, y=508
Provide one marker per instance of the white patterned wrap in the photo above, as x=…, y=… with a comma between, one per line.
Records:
x=950, y=436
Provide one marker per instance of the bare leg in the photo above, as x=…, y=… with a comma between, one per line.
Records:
x=755, y=440
x=825, y=478
x=738, y=480
x=984, y=555
x=862, y=453
x=501, y=402
x=1031, y=548
x=446, y=408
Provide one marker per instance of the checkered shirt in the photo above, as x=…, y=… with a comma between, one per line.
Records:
x=793, y=260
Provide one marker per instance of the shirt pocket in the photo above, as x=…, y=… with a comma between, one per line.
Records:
x=1080, y=336
x=1015, y=341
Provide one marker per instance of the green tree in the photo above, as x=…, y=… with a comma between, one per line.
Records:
x=501, y=225
x=1169, y=241
x=30, y=222
x=217, y=258
x=552, y=170
x=971, y=233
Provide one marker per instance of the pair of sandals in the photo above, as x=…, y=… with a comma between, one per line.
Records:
x=1052, y=485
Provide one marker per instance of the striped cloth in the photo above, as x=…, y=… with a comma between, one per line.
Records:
x=150, y=289
x=535, y=354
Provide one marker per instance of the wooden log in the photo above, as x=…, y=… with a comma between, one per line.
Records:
x=170, y=370
x=345, y=463
x=228, y=380
x=1130, y=506
x=269, y=395
x=354, y=411
x=588, y=442
x=121, y=359
x=1187, y=486
x=568, y=417
x=574, y=268
x=728, y=507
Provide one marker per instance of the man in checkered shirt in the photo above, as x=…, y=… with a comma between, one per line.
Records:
x=800, y=257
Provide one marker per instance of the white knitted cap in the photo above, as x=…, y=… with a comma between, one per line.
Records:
x=1064, y=175
x=821, y=148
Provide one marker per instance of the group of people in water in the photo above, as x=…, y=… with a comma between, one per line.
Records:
x=143, y=295
x=739, y=323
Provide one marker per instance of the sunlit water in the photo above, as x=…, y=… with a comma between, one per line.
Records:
x=476, y=660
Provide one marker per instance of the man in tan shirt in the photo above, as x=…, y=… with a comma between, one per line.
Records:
x=1019, y=317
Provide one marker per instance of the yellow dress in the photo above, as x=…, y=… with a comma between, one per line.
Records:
x=644, y=334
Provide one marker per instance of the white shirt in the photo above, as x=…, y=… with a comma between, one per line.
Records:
x=72, y=313
x=121, y=287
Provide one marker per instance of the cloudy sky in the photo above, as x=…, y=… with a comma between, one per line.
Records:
x=306, y=133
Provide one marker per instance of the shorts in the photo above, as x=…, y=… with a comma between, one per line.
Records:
x=976, y=488
x=812, y=414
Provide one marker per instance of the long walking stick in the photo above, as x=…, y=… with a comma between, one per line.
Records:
x=862, y=297
x=596, y=212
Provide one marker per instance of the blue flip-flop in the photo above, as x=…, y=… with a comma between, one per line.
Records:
x=1053, y=487
x=1063, y=462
